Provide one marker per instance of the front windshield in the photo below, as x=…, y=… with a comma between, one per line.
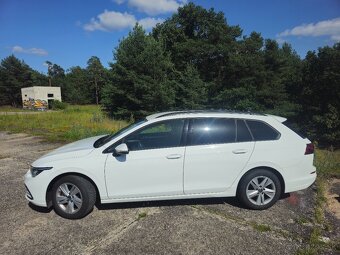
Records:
x=105, y=139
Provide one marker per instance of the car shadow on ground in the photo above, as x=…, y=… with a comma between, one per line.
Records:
x=167, y=203
x=233, y=201
x=160, y=203
x=39, y=208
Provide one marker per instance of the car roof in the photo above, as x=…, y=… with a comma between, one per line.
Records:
x=204, y=113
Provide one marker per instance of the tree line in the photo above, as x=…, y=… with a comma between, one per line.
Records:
x=196, y=60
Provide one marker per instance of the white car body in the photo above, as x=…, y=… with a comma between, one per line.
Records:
x=201, y=171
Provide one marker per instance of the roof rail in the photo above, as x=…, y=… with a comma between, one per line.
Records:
x=159, y=115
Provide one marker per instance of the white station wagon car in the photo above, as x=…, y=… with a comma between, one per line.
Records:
x=176, y=155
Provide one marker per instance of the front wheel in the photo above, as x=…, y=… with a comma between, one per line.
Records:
x=73, y=197
x=259, y=189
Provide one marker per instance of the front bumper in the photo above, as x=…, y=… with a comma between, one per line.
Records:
x=35, y=189
x=28, y=194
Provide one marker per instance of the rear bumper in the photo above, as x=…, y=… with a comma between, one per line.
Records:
x=301, y=183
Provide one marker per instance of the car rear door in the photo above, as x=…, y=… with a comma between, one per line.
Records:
x=215, y=154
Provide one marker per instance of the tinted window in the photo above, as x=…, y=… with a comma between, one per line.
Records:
x=243, y=134
x=262, y=131
x=103, y=140
x=294, y=128
x=49, y=95
x=211, y=131
x=163, y=134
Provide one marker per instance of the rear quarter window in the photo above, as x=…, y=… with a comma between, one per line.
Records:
x=242, y=133
x=294, y=128
x=262, y=131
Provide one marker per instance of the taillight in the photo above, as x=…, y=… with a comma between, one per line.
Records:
x=309, y=149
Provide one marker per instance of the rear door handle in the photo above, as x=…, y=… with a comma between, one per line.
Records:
x=240, y=151
x=173, y=156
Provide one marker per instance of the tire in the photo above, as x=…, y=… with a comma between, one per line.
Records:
x=73, y=197
x=259, y=189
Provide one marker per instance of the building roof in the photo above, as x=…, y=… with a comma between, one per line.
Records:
x=40, y=87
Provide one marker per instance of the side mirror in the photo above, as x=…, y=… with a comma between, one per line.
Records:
x=121, y=149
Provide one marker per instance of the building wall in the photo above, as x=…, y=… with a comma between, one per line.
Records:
x=38, y=97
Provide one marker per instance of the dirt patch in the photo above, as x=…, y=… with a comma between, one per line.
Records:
x=333, y=197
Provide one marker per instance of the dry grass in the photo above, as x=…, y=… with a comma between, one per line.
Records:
x=7, y=108
x=327, y=163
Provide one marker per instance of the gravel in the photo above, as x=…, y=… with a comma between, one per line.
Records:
x=202, y=226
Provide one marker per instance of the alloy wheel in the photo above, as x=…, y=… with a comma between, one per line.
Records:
x=261, y=190
x=69, y=198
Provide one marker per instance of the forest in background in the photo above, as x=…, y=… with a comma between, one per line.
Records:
x=196, y=60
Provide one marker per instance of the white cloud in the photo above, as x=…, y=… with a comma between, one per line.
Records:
x=280, y=40
x=156, y=7
x=34, y=51
x=322, y=28
x=118, y=1
x=149, y=23
x=112, y=21
x=336, y=37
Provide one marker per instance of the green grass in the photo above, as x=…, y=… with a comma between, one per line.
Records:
x=302, y=220
x=307, y=251
x=73, y=123
x=141, y=215
x=260, y=227
x=327, y=163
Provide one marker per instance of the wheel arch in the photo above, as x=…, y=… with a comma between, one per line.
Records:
x=50, y=185
x=276, y=172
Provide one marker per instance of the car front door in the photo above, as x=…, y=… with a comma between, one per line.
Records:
x=153, y=166
x=215, y=154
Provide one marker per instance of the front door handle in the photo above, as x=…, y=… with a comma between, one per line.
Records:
x=240, y=151
x=173, y=156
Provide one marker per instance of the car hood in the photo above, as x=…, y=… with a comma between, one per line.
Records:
x=76, y=149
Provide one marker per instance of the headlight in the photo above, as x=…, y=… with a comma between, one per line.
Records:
x=37, y=170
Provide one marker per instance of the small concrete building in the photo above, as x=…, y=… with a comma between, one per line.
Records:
x=39, y=98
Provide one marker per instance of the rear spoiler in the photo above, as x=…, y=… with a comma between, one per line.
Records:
x=278, y=118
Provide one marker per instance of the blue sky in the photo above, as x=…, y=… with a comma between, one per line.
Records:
x=69, y=32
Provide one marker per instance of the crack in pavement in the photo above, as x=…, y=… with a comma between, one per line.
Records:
x=110, y=237
x=281, y=233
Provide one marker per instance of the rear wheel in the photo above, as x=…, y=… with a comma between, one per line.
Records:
x=259, y=189
x=73, y=197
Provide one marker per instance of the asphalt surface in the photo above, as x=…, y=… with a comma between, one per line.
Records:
x=204, y=226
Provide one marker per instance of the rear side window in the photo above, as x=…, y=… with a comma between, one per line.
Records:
x=262, y=131
x=243, y=134
x=211, y=131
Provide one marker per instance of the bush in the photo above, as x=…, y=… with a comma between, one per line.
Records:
x=58, y=105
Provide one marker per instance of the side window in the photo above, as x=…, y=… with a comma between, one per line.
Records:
x=243, y=134
x=211, y=131
x=164, y=134
x=262, y=131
